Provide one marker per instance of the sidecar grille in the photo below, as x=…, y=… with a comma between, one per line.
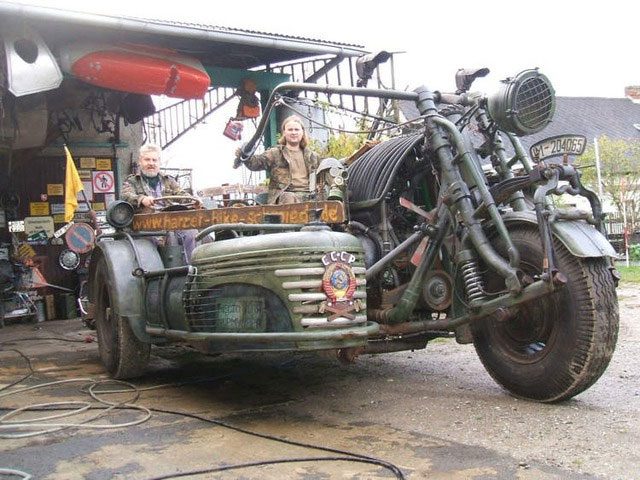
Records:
x=296, y=273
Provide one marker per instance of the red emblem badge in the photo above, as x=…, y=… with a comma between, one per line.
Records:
x=339, y=283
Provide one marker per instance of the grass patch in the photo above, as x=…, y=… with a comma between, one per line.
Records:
x=629, y=274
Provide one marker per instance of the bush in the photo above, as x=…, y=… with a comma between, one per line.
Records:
x=634, y=252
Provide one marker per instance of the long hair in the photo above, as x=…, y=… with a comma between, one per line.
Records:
x=294, y=118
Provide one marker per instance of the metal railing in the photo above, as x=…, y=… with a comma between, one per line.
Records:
x=170, y=123
x=167, y=125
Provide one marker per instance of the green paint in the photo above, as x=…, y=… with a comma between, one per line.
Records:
x=232, y=78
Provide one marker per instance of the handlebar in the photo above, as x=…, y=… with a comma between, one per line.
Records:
x=247, y=150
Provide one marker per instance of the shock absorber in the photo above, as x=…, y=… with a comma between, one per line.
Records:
x=470, y=273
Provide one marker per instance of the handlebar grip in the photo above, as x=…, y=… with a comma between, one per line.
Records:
x=453, y=99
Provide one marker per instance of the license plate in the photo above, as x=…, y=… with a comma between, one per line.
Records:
x=558, y=146
x=243, y=314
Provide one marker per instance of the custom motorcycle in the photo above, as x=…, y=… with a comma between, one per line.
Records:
x=447, y=229
x=460, y=234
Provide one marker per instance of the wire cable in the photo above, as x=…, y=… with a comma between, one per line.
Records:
x=395, y=126
x=92, y=389
x=262, y=463
x=364, y=458
x=28, y=365
x=42, y=425
x=87, y=339
x=19, y=473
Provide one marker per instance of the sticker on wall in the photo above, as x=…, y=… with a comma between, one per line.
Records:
x=109, y=198
x=103, y=164
x=103, y=182
x=88, y=191
x=58, y=218
x=55, y=189
x=37, y=209
x=26, y=251
x=85, y=175
x=98, y=206
x=87, y=162
x=57, y=208
x=34, y=225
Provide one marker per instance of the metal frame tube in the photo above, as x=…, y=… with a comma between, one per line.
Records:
x=364, y=332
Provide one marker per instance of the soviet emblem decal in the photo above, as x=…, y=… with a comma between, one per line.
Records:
x=339, y=283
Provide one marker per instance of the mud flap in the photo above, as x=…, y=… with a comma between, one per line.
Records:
x=127, y=290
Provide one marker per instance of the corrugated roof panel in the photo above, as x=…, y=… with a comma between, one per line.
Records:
x=220, y=28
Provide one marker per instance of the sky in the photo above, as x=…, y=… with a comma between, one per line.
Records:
x=585, y=48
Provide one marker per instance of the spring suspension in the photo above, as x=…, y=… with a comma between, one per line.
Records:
x=473, y=285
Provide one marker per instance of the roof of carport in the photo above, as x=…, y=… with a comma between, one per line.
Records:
x=212, y=45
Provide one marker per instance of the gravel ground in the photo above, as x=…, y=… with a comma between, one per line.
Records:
x=433, y=413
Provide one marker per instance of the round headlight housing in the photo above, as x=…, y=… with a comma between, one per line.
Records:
x=524, y=105
x=120, y=214
x=69, y=260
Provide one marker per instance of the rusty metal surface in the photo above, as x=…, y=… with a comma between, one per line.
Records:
x=332, y=212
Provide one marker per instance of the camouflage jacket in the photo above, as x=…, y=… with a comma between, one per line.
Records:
x=134, y=188
x=275, y=160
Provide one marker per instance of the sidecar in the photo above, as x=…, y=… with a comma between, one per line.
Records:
x=293, y=286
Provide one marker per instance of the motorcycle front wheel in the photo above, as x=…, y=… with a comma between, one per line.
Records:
x=559, y=345
x=122, y=354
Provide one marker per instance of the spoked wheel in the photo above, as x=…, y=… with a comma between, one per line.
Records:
x=559, y=345
x=122, y=354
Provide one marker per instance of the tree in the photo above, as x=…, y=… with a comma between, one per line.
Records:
x=620, y=173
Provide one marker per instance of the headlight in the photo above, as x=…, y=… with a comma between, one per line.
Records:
x=69, y=260
x=120, y=214
x=524, y=105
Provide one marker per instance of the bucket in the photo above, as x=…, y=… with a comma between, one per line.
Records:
x=41, y=314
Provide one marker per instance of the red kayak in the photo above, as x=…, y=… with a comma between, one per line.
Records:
x=137, y=69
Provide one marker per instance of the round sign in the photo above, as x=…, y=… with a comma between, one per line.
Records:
x=80, y=237
x=103, y=182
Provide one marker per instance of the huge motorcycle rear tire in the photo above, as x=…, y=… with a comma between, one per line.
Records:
x=559, y=345
x=122, y=354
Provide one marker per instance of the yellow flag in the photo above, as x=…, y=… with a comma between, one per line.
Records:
x=72, y=186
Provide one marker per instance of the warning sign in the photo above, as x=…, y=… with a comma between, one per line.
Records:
x=103, y=182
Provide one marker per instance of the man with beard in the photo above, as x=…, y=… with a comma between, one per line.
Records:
x=142, y=189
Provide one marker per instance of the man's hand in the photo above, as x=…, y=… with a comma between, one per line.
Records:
x=147, y=202
x=238, y=160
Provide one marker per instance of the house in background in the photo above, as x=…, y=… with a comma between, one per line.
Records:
x=592, y=117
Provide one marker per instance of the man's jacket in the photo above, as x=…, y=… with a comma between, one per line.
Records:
x=276, y=161
x=135, y=188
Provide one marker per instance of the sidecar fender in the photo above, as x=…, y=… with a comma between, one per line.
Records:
x=580, y=238
x=127, y=290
